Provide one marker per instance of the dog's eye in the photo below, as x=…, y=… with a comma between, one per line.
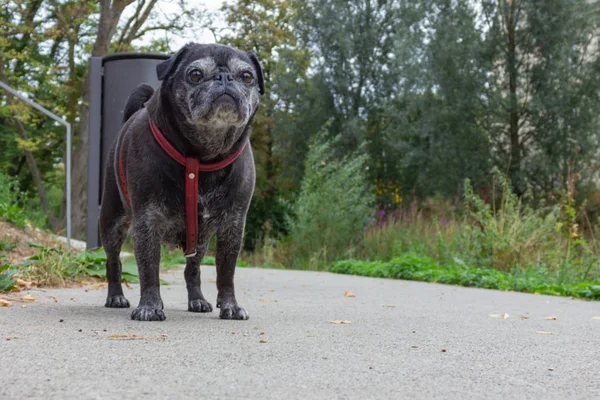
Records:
x=195, y=75
x=247, y=77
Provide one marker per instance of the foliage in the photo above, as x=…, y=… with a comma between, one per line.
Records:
x=331, y=207
x=7, y=282
x=503, y=234
x=94, y=264
x=56, y=267
x=174, y=259
x=10, y=210
x=413, y=267
x=51, y=267
x=543, y=89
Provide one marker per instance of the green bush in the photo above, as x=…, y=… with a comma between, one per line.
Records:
x=10, y=209
x=7, y=282
x=413, y=267
x=506, y=233
x=503, y=234
x=332, y=207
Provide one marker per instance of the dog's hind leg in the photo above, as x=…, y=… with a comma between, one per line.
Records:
x=114, y=225
x=196, y=300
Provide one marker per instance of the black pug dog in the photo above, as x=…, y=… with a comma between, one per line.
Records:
x=204, y=109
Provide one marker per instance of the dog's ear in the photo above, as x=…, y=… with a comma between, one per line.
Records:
x=259, y=73
x=167, y=67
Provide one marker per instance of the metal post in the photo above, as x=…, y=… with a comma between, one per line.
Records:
x=68, y=186
x=68, y=167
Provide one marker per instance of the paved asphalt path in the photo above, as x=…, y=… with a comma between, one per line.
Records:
x=405, y=340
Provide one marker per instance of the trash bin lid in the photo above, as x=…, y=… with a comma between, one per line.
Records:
x=134, y=56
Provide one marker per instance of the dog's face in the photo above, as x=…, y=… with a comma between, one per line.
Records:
x=215, y=87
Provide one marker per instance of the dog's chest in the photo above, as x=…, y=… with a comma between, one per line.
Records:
x=169, y=221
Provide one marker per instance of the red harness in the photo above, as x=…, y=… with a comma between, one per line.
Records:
x=192, y=168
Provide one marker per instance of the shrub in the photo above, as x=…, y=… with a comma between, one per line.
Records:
x=506, y=233
x=7, y=282
x=330, y=212
x=414, y=267
x=9, y=202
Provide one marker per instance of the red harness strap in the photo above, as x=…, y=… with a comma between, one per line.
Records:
x=192, y=168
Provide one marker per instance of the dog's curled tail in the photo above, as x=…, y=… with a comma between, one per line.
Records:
x=136, y=100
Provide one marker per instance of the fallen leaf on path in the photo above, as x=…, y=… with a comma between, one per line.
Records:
x=126, y=337
x=8, y=338
x=5, y=303
x=261, y=333
x=27, y=298
x=127, y=285
x=264, y=300
x=54, y=298
x=550, y=369
x=340, y=321
x=550, y=318
x=73, y=299
x=22, y=283
x=596, y=318
x=502, y=316
x=309, y=335
x=262, y=341
x=544, y=333
x=348, y=293
x=524, y=317
x=211, y=281
x=100, y=285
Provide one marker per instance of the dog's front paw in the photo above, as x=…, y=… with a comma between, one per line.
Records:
x=233, y=312
x=146, y=313
x=199, y=305
x=118, y=301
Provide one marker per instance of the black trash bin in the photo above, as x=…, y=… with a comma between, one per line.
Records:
x=112, y=79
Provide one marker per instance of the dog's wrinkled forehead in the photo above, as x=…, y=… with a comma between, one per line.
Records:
x=208, y=64
x=205, y=57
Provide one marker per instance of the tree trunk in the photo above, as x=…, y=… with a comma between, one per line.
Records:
x=109, y=18
x=513, y=109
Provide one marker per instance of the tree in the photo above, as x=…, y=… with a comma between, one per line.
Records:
x=543, y=91
x=435, y=122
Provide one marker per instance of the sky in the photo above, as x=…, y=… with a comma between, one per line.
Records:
x=196, y=33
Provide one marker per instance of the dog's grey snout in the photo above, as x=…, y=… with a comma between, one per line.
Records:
x=223, y=77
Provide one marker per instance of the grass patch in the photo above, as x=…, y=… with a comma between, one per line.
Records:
x=172, y=258
x=6, y=245
x=56, y=267
x=53, y=266
x=413, y=267
x=7, y=282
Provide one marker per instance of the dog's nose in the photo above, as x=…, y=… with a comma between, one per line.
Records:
x=223, y=77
